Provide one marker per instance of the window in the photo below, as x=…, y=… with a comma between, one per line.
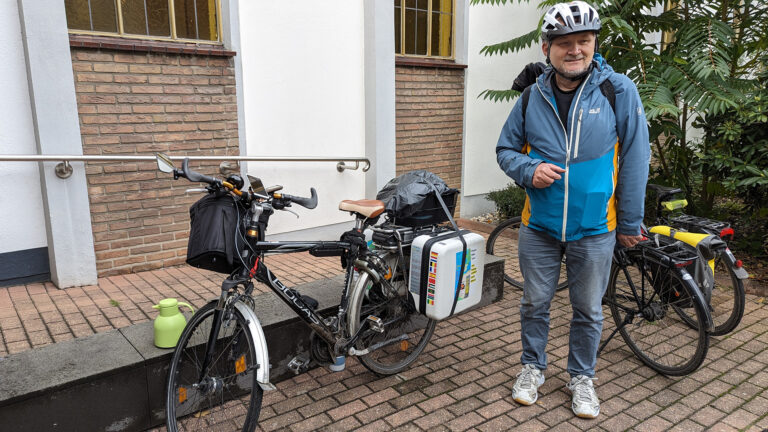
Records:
x=424, y=28
x=183, y=20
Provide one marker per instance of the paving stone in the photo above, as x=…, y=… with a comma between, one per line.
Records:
x=347, y=410
x=495, y=409
x=434, y=419
x=404, y=416
x=740, y=419
x=408, y=400
x=500, y=423
x=465, y=422
x=707, y=416
x=464, y=406
x=686, y=426
x=311, y=424
x=374, y=413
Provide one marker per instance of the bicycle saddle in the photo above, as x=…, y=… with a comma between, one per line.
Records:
x=365, y=208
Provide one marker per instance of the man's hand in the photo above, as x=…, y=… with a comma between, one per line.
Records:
x=628, y=240
x=546, y=174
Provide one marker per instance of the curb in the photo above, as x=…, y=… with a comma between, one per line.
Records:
x=115, y=381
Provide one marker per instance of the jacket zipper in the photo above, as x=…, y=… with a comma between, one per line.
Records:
x=578, y=135
x=567, y=146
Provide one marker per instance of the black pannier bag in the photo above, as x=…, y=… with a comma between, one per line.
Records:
x=411, y=201
x=213, y=222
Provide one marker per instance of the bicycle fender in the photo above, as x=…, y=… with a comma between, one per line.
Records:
x=260, y=343
x=738, y=271
x=698, y=297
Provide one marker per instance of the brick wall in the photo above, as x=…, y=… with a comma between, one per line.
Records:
x=429, y=121
x=142, y=103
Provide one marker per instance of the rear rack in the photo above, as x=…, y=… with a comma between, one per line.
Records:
x=699, y=224
x=669, y=252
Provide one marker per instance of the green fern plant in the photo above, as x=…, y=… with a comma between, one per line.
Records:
x=704, y=65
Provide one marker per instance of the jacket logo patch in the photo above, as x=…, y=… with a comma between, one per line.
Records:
x=594, y=111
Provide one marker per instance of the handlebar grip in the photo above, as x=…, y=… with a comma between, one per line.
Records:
x=195, y=176
x=309, y=203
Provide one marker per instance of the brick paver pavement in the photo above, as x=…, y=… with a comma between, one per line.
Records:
x=461, y=382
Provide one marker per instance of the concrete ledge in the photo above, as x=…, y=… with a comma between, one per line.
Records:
x=114, y=381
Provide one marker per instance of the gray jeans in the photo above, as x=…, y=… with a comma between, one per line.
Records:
x=588, y=263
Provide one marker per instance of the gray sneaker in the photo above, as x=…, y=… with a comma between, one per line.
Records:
x=526, y=388
x=584, y=401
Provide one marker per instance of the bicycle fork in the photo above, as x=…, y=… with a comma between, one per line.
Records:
x=253, y=327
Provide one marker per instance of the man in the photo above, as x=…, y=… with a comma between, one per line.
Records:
x=584, y=166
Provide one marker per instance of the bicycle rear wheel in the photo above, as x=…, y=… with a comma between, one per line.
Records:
x=228, y=397
x=646, y=300
x=502, y=242
x=406, y=332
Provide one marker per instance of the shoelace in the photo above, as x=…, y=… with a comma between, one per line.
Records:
x=526, y=376
x=583, y=391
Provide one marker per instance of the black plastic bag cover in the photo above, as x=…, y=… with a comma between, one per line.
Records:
x=407, y=194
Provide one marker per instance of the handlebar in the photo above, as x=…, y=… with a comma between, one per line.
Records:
x=196, y=177
x=309, y=203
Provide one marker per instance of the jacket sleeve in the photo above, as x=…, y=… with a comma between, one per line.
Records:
x=509, y=149
x=634, y=157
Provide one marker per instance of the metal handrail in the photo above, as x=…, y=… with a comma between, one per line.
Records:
x=64, y=169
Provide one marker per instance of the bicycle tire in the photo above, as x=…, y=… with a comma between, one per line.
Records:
x=392, y=308
x=235, y=396
x=660, y=338
x=502, y=242
x=727, y=303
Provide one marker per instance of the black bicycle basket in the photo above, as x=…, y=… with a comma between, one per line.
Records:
x=213, y=225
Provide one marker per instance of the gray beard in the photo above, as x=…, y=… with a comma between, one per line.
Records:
x=574, y=74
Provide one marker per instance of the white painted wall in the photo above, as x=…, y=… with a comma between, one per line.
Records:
x=22, y=224
x=304, y=95
x=484, y=118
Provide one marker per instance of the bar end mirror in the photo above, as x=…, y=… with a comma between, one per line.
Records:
x=164, y=163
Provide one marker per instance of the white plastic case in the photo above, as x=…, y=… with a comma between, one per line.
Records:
x=435, y=267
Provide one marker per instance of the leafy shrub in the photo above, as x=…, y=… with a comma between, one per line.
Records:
x=509, y=201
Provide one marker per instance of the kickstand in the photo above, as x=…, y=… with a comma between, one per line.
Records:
x=627, y=320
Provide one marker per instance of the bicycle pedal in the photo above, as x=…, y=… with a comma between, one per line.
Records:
x=298, y=364
x=375, y=323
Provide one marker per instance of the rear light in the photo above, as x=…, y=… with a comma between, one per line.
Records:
x=683, y=264
x=727, y=233
x=738, y=264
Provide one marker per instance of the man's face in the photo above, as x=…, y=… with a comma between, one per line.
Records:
x=571, y=54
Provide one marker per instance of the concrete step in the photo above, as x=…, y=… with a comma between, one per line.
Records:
x=114, y=381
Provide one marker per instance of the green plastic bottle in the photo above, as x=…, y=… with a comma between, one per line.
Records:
x=170, y=323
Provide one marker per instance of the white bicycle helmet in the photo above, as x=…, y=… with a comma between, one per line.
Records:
x=566, y=18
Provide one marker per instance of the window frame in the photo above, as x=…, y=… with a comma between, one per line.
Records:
x=171, y=16
x=399, y=51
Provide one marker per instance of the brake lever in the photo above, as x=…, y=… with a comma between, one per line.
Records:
x=196, y=190
x=291, y=211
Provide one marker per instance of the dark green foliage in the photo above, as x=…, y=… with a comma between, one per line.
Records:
x=509, y=201
x=704, y=63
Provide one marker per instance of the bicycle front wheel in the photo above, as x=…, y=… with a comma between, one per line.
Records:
x=502, y=242
x=646, y=300
x=228, y=396
x=405, y=332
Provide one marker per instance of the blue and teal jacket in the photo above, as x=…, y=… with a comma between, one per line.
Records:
x=605, y=156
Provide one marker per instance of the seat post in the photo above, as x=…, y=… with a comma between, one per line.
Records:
x=360, y=222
